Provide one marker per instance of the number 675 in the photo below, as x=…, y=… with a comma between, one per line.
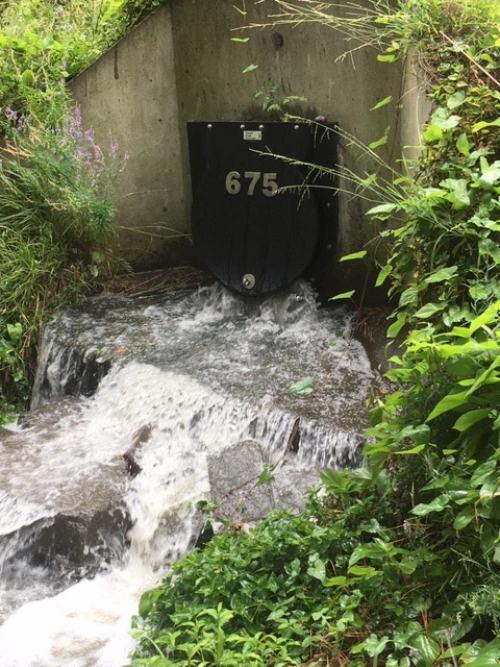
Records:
x=269, y=187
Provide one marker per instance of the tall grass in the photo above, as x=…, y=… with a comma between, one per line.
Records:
x=55, y=233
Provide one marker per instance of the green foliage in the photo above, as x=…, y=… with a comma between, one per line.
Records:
x=12, y=370
x=399, y=563
x=43, y=44
x=55, y=211
x=55, y=229
x=276, y=106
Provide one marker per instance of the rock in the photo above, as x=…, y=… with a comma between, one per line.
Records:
x=234, y=482
x=234, y=474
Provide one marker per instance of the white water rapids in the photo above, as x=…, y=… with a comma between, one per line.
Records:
x=207, y=371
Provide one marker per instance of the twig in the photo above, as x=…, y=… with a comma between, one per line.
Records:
x=469, y=57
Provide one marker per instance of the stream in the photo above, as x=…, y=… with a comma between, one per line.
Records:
x=196, y=371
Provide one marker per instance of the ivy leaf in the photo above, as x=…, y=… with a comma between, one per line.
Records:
x=463, y=145
x=317, y=568
x=455, y=100
x=444, y=120
x=432, y=133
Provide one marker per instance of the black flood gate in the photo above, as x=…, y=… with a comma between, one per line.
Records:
x=260, y=220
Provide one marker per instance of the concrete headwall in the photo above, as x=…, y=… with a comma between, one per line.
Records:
x=181, y=65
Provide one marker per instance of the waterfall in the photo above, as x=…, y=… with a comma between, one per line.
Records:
x=197, y=371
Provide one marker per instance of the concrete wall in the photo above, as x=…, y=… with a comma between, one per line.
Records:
x=181, y=65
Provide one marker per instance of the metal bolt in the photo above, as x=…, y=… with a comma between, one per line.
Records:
x=242, y=127
x=328, y=205
x=248, y=281
x=295, y=127
x=261, y=127
x=210, y=126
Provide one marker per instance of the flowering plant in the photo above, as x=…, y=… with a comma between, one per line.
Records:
x=56, y=226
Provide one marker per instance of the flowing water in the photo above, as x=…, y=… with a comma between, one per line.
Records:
x=202, y=370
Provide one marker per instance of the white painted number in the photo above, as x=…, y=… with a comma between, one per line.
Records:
x=233, y=185
x=269, y=185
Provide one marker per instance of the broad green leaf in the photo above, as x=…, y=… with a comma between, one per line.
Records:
x=437, y=505
x=489, y=655
x=383, y=274
x=382, y=208
x=463, y=518
x=428, y=649
x=455, y=100
x=449, y=402
x=335, y=581
x=265, y=476
x=463, y=144
x=420, y=434
x=432, y=133
x=468, y=419
x=250, y=68
x=389, y=58
x=317, y=569
x=429, y=310
x=396, y=326
x=489, y=316
x=482, y=473
x=441, y=275
x=409, y=296
x=459, y=195
x=483, y=124
x=444, y=120
x=15, y=332
x=486, y=376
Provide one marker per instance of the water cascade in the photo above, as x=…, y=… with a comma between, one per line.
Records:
x=191, y=372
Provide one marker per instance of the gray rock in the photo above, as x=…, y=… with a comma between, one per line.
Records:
x=234, y=474
x=234, y=482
